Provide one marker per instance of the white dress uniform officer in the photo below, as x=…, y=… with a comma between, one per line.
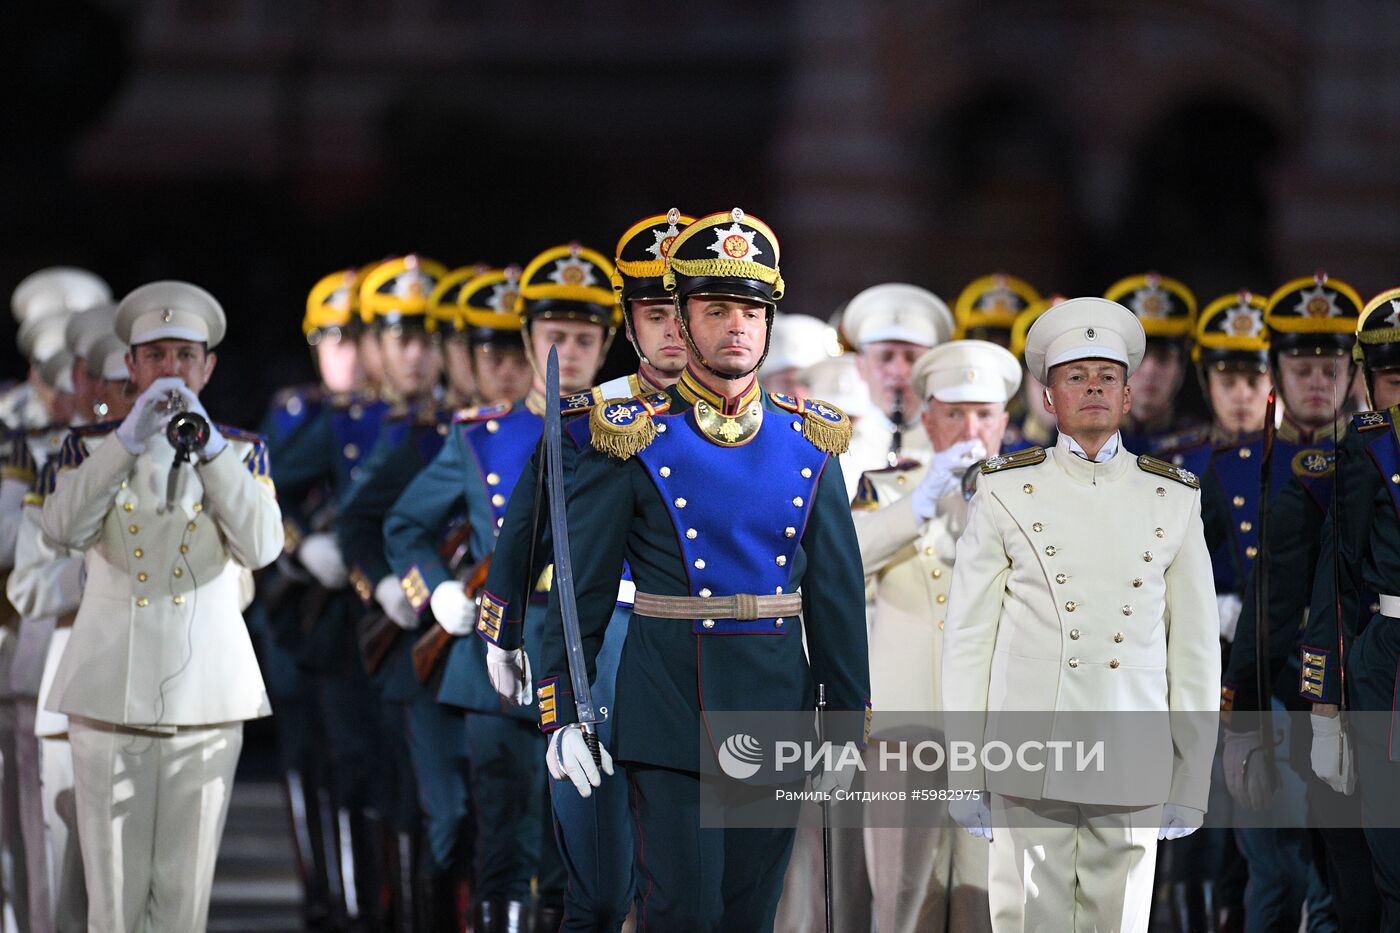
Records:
x=891, y=325
x=908, y=520
x=159, y=672
x=1082, y=585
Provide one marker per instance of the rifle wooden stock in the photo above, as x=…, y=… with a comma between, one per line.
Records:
x=429, y=650
x=376, y=634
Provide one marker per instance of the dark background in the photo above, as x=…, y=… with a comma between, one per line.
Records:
x=252, y=147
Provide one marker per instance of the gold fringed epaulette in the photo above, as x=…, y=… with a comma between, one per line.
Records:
x=1313, y=462
x=1170, y=470
x=623, y=429
x=1019, y=458
x=825, y=425
x=1370, y=420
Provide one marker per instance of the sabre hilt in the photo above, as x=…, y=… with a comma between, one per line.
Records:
x=590, y=738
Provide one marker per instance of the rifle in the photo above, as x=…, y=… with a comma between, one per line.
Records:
x=429, y=649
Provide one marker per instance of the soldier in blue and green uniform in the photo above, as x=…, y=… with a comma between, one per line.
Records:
x=275, y=617
x=564, y=300
x=987, y=308
x=316, y=465
x=1312, y=325
x=1350, y=652
x=1167, y=310
x=594, y=836
x=729, y=506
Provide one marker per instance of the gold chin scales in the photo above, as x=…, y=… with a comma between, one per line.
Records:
x=726, y=430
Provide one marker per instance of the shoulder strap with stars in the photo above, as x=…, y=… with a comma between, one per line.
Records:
x=1020, y=458
x=1171, y=471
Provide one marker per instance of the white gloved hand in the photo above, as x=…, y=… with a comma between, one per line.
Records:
x=454, y=610
x=944, y=476
x=1229, y=606
x=840, y=775
x=394, y=601
x=568, y=757
x=973, y=815
x=144, y=420
x=1247, y=776
x=509, y=672
x=1331, y=753
x=1179, y=821
x=320, y=555
x=216, y=442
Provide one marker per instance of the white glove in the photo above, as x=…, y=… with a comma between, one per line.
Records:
x=510, y=673
x=1179, y=821
x=1331, y=753
x=453, y=608
x=394, y=601
x=840, y=776
x=944, y=476
x=973, y=815
x=320, y=555
x=143, y=421
x=216, y=442
x=568, y=756
x=1229, y=606
x=1246, y=776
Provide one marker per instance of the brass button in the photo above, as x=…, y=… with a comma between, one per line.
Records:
x=1118, y=637
x=680, y=503
x=928, y=552
x=1137, y=581
x=1127, y=610
x=493, y=479
x=1246, y=526
x=1245, y=453
x=179, y=571
x=1028, y=488
x=1251, y=552
x=351, y=451
x=941, y=599
x=1239, y=502
x=1074, y=634
x=1037, y=527
x=1060, y=578
x=142, y=577
x=1160, y=533
x=789, y=532
x=493, y=426
x=806, y=472
x=937, y=573
x=1113, y=664
x=179, y=600
x=138, y=553
x=133, y=529
x=705, y=592
x=1073, y=662
x=708, y=623
x=940, y=625
x=1161, y=493
x=143, y=602
x=1071, y=606
x=184, y=549
x=699, y=563
x=781, y=560
x=1050, y=550
x=128, y=507
x=498, y=500
x=1147, y=556
x=664, y=471
x=797, y=501
x=691, y=533
x=900, y=480
x=199, y=506
x=192, y=526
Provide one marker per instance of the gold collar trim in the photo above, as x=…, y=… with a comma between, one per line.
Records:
x=694, y=391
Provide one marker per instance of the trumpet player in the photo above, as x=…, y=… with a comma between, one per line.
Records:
x=159, y=672
x=908, y=519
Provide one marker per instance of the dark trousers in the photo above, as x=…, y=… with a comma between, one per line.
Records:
x=437, y=740
x=694, y=879
x=1372, y=667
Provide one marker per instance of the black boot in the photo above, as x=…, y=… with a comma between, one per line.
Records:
x=548, y=918
x=305, y=819
x=405, y=879
x=1189, y=909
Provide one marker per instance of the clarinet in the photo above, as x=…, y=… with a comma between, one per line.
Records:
x=897, y=416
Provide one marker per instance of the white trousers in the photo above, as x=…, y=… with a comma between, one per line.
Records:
x=67, y=889
x=151, y=810
x=1058, y=867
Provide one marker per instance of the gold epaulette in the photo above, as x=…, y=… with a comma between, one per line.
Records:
x=1313, y=462
x=1370, y=420
x=1170, y=470
x=580, y=402
x=481, y=412
x=624, y=429
x=826, y=426
x=1020, y=458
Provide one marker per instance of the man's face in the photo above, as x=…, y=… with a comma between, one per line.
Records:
x=949, y=423
x=1385, y=388
x=118, y=395
x=730, y=333
x=1156, y=381
x=371, y=358
x=658, y=334
x=502, y=373
x=84, y=387
x=411, y=360
x=1089, y=397
x=457, y=359
x=1314, y=388
x=580, y=345
x=1239, y=398
x=338, y=361
x=186, y=359
x=886, y=365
